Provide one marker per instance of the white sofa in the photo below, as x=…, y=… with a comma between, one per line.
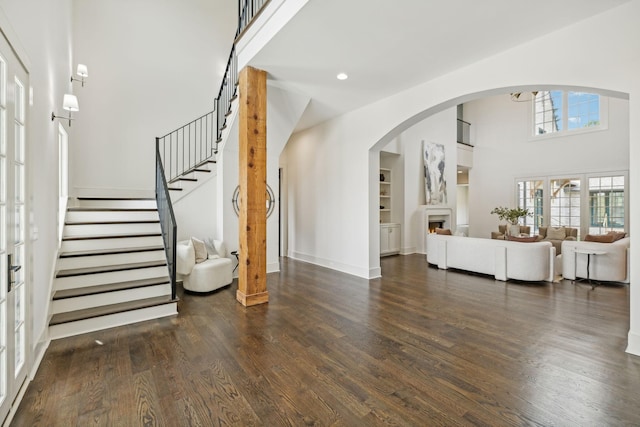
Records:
x=531, y=261
x=611, y=266
x=214, y=272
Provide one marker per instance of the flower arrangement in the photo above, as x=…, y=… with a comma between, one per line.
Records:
x=511, y=215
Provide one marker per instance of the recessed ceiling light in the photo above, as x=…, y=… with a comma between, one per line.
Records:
x=342, y=76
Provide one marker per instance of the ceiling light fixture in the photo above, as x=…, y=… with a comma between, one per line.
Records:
x=342, y=76
x=522, y=96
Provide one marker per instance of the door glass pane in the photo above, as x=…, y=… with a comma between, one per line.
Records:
x=19, y=133
x=606, y=204
x=565, y=203
x=530, y=198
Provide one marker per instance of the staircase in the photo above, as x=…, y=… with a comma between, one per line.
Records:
x=112, y=268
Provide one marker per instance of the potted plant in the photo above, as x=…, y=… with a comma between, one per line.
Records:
x=512, y=216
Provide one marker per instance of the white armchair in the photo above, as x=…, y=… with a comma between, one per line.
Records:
x=213, y=271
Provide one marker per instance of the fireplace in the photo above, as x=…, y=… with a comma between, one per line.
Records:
x=433, y=224
x=435, y=217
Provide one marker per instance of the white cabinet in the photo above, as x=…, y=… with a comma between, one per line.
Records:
x=389, y=239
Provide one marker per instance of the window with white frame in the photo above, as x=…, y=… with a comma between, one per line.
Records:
x=592, y=203
x=558, y=111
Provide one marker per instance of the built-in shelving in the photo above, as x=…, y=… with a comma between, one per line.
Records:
x=385, y=195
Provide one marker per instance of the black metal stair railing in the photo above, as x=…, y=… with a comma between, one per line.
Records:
x=167, y=219
x=227, y=93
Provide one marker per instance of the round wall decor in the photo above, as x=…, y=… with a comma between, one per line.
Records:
x=271, y=201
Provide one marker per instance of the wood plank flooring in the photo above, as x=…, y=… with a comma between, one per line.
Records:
x=419, y=347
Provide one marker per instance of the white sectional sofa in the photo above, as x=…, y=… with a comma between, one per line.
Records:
x=610, y=266
x=532, y=261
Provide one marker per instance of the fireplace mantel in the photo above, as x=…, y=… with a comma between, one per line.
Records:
x=434, y=213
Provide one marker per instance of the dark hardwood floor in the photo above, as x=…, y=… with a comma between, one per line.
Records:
x=420, y=346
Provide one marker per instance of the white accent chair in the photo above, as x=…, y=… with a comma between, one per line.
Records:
x=208, y=275
x=610, y=265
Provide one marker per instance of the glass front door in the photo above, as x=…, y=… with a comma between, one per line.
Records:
x=13, y=226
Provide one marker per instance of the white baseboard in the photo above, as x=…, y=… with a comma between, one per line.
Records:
x=273, y=267
x=633, y=343
x=344, y=268
x=408, y=251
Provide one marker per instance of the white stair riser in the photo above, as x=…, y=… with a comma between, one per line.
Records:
x=85, y=280
x=89, y=301
x=117, y=243
x=117, y=204
x=110, y=260
x=109, y=229
x=112, y=320
x=111, y=216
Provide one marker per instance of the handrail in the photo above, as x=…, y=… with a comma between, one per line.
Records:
x=167, y=219
x=227, y=93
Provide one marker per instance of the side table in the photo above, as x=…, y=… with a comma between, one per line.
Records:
x=589, y=253
x=235, y=254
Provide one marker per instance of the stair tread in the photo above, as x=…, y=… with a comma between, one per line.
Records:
x=113, y=251
x=109, y=268
x=111, y=236
x=145, y=221
x=103, y=209
x=111, y=287
x=105, y=310
x=115, y=198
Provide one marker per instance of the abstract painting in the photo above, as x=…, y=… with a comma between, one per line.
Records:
x=435, y=184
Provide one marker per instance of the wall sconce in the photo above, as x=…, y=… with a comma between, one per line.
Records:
x=70, y=103
x=83, y=72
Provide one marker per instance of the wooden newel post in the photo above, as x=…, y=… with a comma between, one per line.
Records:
x=252, y=270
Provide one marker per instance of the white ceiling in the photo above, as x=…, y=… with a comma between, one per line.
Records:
x=386, y=47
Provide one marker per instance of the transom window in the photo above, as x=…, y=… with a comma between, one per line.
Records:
x=558, y=111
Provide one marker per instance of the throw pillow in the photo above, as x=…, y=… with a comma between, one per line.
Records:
x=444, y=231
x=200, y=249
x=211, y=247
x=556, y=233
x=617, y=235
x=599, y=238
x=524, y=239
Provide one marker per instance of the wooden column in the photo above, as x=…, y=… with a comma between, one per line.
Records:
x=252, y=270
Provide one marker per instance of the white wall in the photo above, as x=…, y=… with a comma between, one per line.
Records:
x=154, y=65
x=43, y=41
x=504, y=151
x=196, y=212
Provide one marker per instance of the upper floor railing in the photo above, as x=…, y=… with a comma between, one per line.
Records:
x=464, y=132
x=247, y=11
